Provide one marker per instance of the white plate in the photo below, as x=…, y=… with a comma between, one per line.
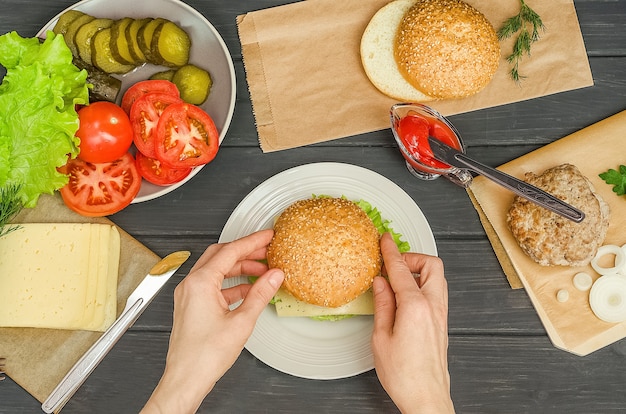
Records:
x=208, y=51
x=300, y=346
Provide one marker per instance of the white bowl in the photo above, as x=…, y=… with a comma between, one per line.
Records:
x=208, y=51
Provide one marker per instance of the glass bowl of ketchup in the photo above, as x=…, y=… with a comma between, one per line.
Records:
x=411, y=124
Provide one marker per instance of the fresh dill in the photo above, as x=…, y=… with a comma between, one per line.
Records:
x=528, y=23
x=10, y=205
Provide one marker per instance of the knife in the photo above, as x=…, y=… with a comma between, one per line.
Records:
x=451, y=156
x=135, y=305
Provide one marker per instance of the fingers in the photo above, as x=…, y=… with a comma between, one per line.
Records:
x=384, y=306
x=399, y=273
x=224, y=256
x=432, y=282
x=261, y=292
x=236, y=293
x=401, y=267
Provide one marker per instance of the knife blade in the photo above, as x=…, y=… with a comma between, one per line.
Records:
x=455, y=158
x=136, y=303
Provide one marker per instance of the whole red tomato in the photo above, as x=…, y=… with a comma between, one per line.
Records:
x=105, y=132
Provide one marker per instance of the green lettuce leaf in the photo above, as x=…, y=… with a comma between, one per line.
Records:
x=383, y=226
x=38, y=119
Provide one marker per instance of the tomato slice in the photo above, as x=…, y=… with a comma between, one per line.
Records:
x=186, y=136
x=96, y=190
x=153, y=170
x=147, y=86
x=144, y=117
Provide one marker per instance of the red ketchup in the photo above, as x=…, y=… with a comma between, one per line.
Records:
x=414, y=129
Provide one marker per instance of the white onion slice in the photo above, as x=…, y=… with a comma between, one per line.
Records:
x=562, y=295
x=583, y=281
x=620, y=259
x=608, y=298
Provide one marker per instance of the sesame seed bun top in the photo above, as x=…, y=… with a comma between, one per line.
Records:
x=328, y=248
x=446, y=48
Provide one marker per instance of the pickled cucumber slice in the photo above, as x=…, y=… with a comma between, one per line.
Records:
x=101, y=56
x=170, y=45
x=104, y=86
x=132, y=33
x=119, y=44
x=144, y=37
x=70, y=34
x=165, y=75
x=64, y=21
x=193, y=83
x=83, y=37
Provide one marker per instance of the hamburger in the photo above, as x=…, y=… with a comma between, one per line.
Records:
x=423, y=50
x=329, y=250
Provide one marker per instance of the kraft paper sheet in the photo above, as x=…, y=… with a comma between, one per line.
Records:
x=572, y=326
x=37, y=359
x=307, y=84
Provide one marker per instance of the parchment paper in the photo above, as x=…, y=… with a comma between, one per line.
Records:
x=37, y=359
x=307, y=84
x=572, y=326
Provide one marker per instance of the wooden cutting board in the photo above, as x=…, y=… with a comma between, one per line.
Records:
x=572, y=326
x=37, y=359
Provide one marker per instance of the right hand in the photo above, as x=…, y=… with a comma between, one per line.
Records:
x=410, y=338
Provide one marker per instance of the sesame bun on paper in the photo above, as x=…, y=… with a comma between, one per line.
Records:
x=423, y=50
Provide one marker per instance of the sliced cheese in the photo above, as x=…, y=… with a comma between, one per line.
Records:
x=110, y=301
x=104, y=302
x=92, y=280
x=59, y=276
x=288, y=306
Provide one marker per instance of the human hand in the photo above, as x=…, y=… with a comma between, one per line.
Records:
x=206, y=336
x=410, y=338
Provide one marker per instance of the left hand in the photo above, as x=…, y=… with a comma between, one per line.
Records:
x=207, y=337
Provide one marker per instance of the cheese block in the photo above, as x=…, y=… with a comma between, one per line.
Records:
x=288, y=306
x=59, y=276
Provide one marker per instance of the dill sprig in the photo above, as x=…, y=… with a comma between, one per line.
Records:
x=10, y=205
x=528, y=23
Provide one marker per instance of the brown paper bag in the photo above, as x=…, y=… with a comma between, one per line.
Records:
x=307, y=83
x=572, y=326
x=38, y=359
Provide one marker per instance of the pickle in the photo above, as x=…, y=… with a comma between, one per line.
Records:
x=64, y=21
x=104, y=86
x=193, y=83
x=101, y=56
x=145, y=34
x=164, y=75
x=119, y=44
x=132, y=34
x=83, y=37
x=70, y=34
x=170, y=45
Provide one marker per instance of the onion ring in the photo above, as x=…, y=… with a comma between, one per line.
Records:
x=620, y=259
x=608, y=298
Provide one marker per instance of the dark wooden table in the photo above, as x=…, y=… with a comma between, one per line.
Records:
x=501, y=360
